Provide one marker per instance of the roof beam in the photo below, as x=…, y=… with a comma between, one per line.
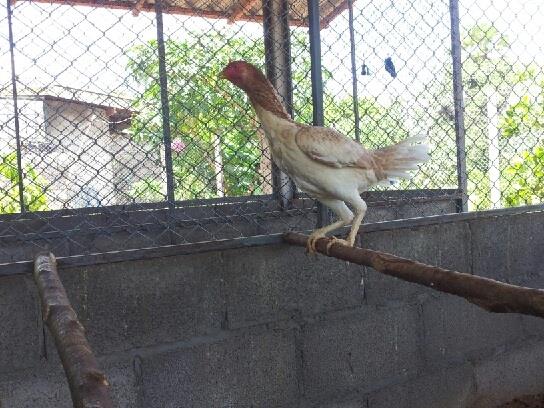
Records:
x=238, y=10
x=138, y=7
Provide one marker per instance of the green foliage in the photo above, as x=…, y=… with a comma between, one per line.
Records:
x=215, y=123
x=522, y=124
x=33, y=193
x=487, y=70
x=525, y=176
x=204, y=113
x=525, y=115
x=147, y=190
x=490, y=68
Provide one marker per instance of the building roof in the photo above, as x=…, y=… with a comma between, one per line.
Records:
x=232, y=10
x=116, y=108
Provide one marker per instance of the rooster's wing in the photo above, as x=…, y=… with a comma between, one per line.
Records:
x=332, y=148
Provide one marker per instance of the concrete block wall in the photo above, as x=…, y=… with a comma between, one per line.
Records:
x=272, y=327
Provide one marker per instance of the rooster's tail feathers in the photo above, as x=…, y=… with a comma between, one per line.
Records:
x=397, y=160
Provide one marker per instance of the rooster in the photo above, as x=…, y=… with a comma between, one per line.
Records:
x=322, y=162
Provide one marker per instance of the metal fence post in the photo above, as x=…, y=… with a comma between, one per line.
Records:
x=22, y=205
x=323, y=216
x=459, y=105
x=277, y=46
x=354, y=72
x=165, y=107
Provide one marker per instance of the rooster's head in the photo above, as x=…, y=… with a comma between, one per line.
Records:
x=243, y=74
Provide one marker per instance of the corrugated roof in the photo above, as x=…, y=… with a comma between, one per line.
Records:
x=232, y=10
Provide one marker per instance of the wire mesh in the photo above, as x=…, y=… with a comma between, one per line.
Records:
x=116, y=132
x=401, y=53
x=502, y=44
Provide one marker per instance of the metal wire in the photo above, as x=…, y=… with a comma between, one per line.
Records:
x=115, y=132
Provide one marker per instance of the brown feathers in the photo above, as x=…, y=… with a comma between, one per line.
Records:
x=258, y=88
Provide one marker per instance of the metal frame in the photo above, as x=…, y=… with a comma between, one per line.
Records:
x=171, y=214
x=459, y=105
x=25, y=267
x=323, y=214
x=277, y=46
x=15, y=109
x=165, y=107
x=354, y=72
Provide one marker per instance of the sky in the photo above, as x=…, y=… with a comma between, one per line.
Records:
x=84, y=47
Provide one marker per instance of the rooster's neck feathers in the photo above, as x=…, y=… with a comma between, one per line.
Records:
x=262, y=95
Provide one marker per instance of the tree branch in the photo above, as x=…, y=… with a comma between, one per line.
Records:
x=88, y=385
x=491, y=295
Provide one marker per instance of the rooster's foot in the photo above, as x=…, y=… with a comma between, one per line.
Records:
x=310, y=244
x=340, y=241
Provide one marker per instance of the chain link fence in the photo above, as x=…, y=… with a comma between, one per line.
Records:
x=503, y=77
x=116, y=133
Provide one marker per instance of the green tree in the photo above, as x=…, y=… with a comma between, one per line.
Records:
x=526, y=178
x=217, y=147
x=33, y=193
x=489, y=69
x=522, y=124
x=217, y=151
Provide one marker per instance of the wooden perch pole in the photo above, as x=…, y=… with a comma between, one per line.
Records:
x=88, y=385
x=491, y=295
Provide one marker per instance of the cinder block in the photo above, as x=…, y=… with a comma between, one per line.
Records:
x=244, y=371
x=420, y=244
x=361, y=402
x=526, y=243
x=455, y=330
x=532, y=326
x=141, y=303
x=511, y=374
x=490, y=247
x=278, y=282
x=46, y=386
x=455, y=247
x=357, y=353
x=450, y=388
x=20, y=324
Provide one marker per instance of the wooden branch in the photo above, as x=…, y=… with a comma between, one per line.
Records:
x=491, y=295
x=88, y=385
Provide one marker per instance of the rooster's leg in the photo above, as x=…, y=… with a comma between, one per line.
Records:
x=344, y=214
x=360, y=208
x=322, y=233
